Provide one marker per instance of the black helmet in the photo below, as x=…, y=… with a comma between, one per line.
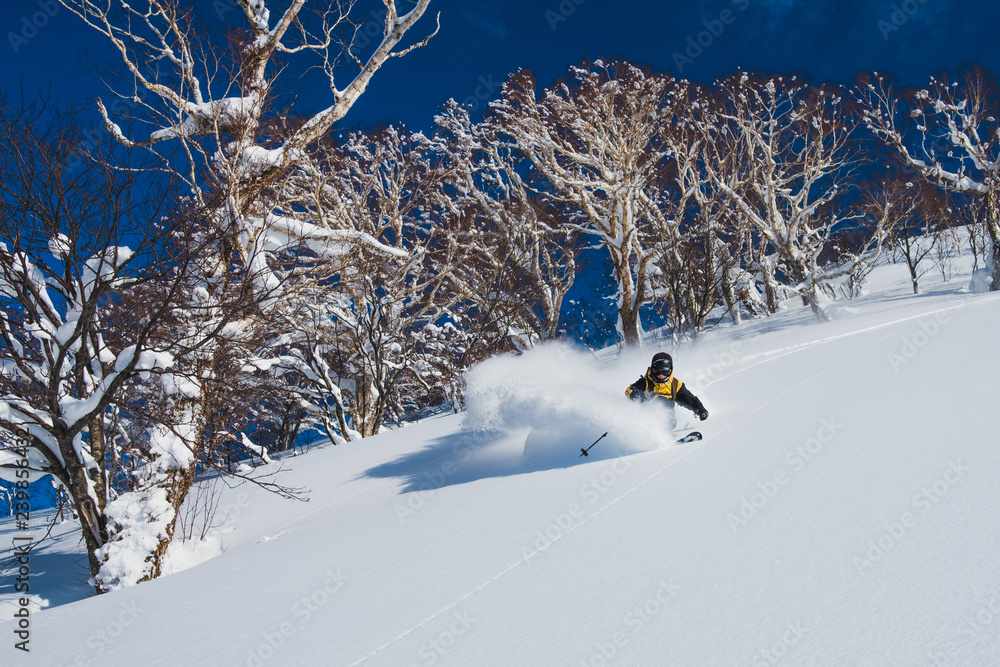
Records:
x=662, y=366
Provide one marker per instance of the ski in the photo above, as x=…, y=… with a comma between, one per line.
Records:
x=690, y=437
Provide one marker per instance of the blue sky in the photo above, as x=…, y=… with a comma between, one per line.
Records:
x=482, y=41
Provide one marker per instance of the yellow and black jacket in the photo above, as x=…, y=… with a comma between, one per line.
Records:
x=672, y=391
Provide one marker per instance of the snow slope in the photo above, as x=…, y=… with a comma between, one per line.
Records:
x=842, y=510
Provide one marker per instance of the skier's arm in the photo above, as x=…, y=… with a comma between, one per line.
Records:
x=690, y=401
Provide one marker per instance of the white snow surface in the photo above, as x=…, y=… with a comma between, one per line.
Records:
x=842, y=510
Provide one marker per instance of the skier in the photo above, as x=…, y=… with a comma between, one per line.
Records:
x=659, y=383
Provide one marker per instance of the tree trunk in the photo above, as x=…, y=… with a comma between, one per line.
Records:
x=342, y=420
x=628, y=312
x=811, y=299
x=995, y=283
x=729, y=296
x=98, y=449
x=993, y=225
x=178, y=484
x=628, y=321
x=93, y=522
x=365, y=408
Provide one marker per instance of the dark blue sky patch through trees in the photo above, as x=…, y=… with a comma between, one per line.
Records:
x=483, y=41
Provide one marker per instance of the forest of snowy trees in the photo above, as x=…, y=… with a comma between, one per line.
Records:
x=218, y=274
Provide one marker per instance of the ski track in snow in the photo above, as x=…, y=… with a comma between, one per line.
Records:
x=772, y=355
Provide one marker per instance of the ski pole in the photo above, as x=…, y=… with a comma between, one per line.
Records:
x=583, y=452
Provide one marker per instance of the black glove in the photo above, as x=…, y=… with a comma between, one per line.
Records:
x=702, y=414
x=641, y=396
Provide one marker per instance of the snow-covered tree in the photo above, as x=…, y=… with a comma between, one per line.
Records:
x=307, y=362
x=913, y=212
x=700, y=265
x=390, y=281
x=64, y=365
x=719, y=235
x=521, y=262
x=204, y=115
x=184, y=92
x=789, y=157
x=595, y=139
x=953, y=139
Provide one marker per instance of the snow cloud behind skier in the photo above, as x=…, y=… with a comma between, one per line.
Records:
x=565, y=398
